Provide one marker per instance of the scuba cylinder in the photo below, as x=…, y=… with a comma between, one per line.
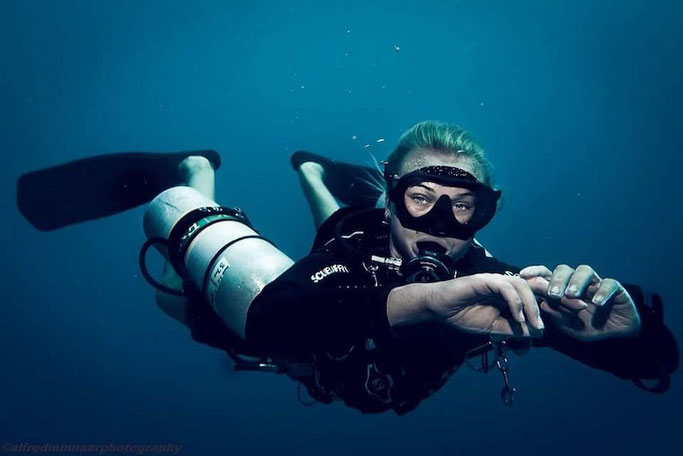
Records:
x=214, y=248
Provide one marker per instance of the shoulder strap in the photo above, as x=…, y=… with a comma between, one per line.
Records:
x=326, y=231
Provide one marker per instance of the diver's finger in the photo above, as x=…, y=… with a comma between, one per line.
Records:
x=505, y=327
x=531, y=310
x=514, y=301
x=572, y=304
x=547, y=308
x=558, y=282
x=535, y=271
x=583, y=276
x=607, y=289
x=538, y=285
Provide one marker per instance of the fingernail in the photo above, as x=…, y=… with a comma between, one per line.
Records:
x=555, y=290
x=541, y=326
x=597, y=299
x=572, y=290
x=521, y=316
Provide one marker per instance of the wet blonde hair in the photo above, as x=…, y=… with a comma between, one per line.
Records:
x=431, y=135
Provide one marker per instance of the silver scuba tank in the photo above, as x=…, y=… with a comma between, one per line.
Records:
x=215, y=248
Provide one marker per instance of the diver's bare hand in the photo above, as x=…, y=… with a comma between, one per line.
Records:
x=493, y=304
x=581, y=304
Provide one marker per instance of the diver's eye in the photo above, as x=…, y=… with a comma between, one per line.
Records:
x=462, y=207
x=419, y=199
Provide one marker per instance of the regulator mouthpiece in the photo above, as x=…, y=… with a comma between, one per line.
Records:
x=430, y=265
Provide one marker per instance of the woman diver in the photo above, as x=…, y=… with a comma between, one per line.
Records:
x=391, y=300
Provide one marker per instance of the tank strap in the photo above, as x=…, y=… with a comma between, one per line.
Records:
x=191, y=224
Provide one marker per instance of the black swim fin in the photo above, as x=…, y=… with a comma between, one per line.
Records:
x=353, y=185
x=99, y=186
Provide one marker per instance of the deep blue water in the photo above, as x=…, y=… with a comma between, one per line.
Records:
x=579, y=104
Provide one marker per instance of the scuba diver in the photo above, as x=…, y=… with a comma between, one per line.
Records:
x=396, y=293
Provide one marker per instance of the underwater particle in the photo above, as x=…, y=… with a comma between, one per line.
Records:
x=348, y=31
x=383, y=87
x=354, y=137
x=397, y=48
x=303, y=87
x=367, y=146
x=481, y=104
x=380, y=140
x=346, y=54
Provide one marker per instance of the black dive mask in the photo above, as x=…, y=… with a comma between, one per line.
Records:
x=440, y=219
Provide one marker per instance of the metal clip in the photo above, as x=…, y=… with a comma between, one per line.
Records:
x=372, y=269
x=507, y=393
x=499, y=360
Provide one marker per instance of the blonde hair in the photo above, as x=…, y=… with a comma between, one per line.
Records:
x=431, y=135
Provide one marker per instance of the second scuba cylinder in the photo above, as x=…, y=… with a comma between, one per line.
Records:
x=216, y=249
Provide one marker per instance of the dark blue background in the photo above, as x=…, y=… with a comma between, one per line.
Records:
x=578, y=102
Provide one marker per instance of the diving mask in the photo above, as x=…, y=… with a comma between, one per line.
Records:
x=418, y=208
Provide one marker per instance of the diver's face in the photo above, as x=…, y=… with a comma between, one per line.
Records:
x=421, y=197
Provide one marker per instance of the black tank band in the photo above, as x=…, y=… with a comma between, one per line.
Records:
x=193, y=223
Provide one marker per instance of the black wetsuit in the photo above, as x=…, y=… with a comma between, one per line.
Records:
x=330, y=308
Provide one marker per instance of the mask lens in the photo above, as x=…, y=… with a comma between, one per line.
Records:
x=443, y=201
x=421, y=198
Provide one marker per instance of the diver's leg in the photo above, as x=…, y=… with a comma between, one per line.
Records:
x=319, y=198
x=197, y=172
x=329, y=184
